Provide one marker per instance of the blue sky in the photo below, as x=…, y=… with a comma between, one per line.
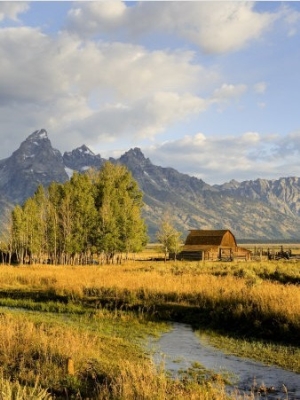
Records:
x=211, y=89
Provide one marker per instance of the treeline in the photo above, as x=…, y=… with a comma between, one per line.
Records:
x=96, y=215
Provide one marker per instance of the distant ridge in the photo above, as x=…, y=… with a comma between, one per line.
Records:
x=259, y=210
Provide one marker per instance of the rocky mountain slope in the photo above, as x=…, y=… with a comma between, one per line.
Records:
x=193, y=204
x=259, y=210
x=82, y=159
x=34, y=163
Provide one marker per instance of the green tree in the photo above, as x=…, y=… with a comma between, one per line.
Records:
x=54, y=237
x=168, y=237
x=6, y=236
x=66, y=224
x=133, y=232
x=32, y=229
x=18, y=233
x=98, y=211
x=84, y=215
x=41, y=240
x=119, y=202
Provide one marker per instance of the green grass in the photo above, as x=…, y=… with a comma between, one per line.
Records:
x=286, y=357
x=49, y=306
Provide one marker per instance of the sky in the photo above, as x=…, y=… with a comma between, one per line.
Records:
x=211, y=89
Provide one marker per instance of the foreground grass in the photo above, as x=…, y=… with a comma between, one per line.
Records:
x=103, y=314
x=69, y=357
x=237, y=296
x=15, y=391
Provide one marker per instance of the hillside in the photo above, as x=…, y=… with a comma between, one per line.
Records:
x=258, y=210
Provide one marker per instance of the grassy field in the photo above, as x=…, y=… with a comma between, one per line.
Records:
x=79, y=332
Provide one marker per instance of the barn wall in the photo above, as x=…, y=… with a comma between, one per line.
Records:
x=212, y=254
x=190, y=255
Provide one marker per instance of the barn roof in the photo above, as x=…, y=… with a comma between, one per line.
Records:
x=206, y=238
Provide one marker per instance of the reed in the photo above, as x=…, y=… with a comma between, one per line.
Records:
x=263, y=307
x=102, y=313
x=77, y=361
x=15, y=391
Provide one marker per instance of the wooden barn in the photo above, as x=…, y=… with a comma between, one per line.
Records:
x=212, y=245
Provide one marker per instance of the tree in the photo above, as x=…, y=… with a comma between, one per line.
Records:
x=132, y=227
x=6, y=237
x=18, y=233
x=93, y=212
x=119, y=202
x=32, y=229
x=169, y=237
x=66, y=224
x=53, y=227
x=41, y=201
x=84, y=214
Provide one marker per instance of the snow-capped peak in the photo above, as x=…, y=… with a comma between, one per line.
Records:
x=38, y=135
x=85, y=150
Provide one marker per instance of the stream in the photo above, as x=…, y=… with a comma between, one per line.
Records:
x=179, y=348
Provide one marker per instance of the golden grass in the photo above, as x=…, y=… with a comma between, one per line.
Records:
x=34, y=352
x=29, y=348
x=186, y=285
x=15, y=391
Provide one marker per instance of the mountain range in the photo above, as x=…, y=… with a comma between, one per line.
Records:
x=258, y=210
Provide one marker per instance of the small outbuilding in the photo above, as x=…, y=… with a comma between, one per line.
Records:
x=212, y=245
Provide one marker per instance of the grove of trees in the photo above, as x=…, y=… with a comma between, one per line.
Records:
x=95, y=215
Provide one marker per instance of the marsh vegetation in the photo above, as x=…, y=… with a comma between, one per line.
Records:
x=100, y=318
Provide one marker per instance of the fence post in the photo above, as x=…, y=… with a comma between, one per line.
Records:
x=70, y=366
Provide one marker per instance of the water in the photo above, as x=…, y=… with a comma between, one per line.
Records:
x=180, y=348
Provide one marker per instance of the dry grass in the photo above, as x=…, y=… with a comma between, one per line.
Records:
x=31, y=349
x=15, y=391
x=105, y=368
x=174, y=282
x=241, y=289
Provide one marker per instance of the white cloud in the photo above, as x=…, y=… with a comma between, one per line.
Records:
x=219, y=159
x=97, y=81
x=261, y=104
x=260, y=87
x=291, y=18
x=228, y=91
x=11, y=9
x=250, y=138
x=144, y=118
x=50, y=66
x=216, y=27
x=90, y=17
x=289, y=145
x=213, y=26
x=93, y=90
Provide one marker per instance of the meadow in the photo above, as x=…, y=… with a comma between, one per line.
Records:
x=79, y=332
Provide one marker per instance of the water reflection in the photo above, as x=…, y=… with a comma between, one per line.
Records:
x=180, y=348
